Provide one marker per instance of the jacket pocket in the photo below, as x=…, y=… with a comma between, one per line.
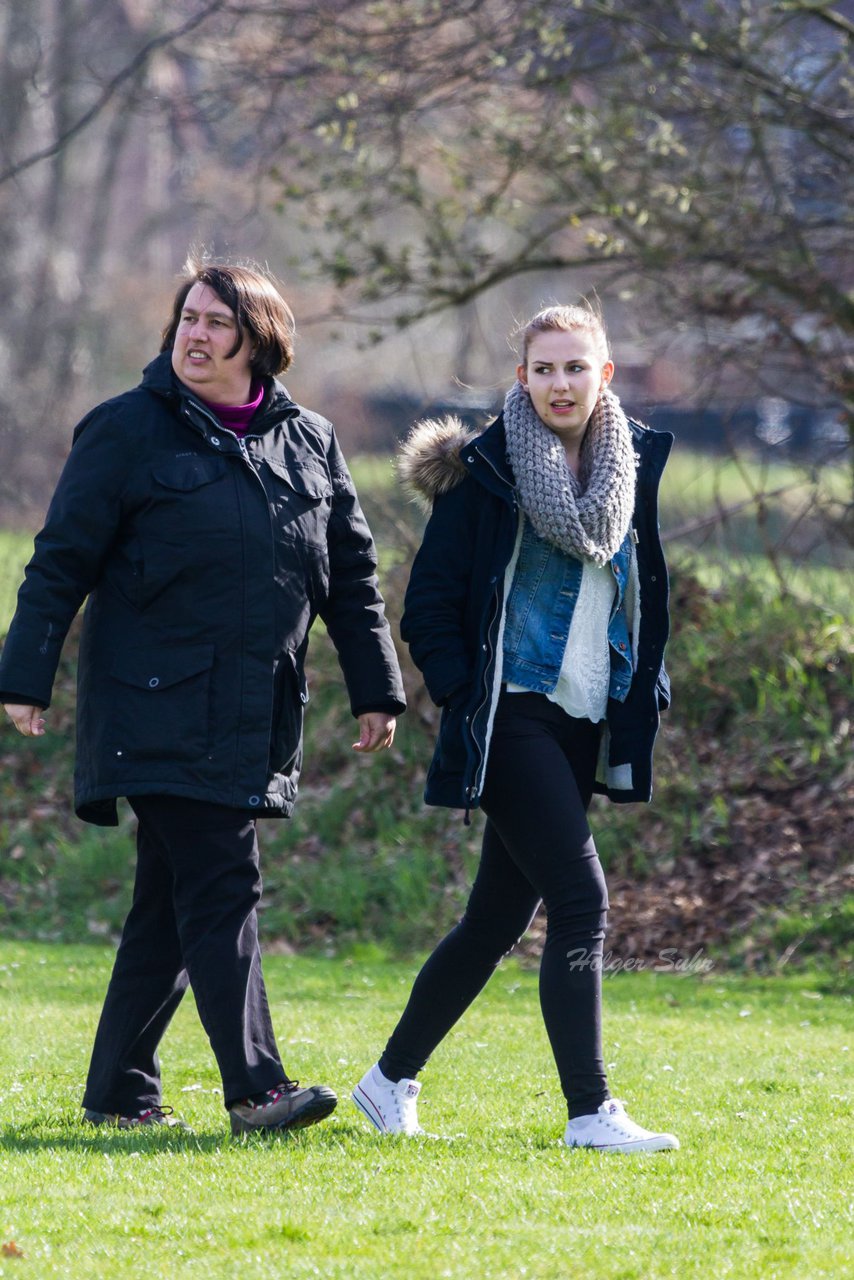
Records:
x=451, y=747
x=290, y=697
x=161, y=705
x=191, y=472
x=300, y=496
x=303, y=477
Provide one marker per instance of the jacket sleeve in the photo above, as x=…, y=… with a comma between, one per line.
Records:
x=68, y=557
x=439, y=596
x=354, y=612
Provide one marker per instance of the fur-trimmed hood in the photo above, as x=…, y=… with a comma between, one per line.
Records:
x=429, y=461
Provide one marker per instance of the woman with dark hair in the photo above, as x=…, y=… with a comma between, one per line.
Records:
x=209, y=519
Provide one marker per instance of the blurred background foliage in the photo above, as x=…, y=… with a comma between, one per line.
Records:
x=744, y=852
x=426, y=175
x=421, y=177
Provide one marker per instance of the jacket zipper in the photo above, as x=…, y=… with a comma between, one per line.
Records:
x=494, y=469
x=218, y=427
x=244, y=453
x=474, y=790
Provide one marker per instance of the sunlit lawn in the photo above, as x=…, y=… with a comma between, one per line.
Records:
x=15, y=550
x=692, y=481
x=752, y=1076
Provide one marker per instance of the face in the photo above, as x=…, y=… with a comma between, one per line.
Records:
x=206, y=333
x=564, y=374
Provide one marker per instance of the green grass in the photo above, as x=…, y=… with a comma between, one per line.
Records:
x=752, y=1075
x=692, y=479
x=724, y=574
x=15, y=551
x=697, y=481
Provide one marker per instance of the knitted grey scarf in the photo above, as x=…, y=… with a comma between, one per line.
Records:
x=586, y=516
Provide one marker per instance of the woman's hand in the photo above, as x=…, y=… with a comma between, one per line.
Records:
x=376, y=731
x=26, y=719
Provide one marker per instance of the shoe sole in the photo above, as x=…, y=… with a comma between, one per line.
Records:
x=318, y=1108
x=624, y=1149
x=101, y=1121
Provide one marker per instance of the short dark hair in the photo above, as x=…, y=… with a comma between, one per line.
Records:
x=261, y=311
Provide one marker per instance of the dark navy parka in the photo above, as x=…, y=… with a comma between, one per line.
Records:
x=455, y=601
x=205, y=561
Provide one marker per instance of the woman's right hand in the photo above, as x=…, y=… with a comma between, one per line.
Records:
x=26, y=719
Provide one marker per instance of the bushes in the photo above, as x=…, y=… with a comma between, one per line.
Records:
x=752, y=815
x=751, y=818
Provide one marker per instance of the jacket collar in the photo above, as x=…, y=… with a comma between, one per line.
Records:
x=159, y=378
x=486, y=455
x=652, y=447
x=486, y=458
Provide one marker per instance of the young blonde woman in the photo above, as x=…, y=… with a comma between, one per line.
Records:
x=537, y=611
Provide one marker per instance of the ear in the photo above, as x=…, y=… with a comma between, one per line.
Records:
x=522, y=374
x=607, y=374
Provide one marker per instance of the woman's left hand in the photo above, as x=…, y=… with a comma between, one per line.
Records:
x=376, y=731
x=28, y=720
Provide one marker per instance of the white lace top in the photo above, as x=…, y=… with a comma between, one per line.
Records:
x=585, y=673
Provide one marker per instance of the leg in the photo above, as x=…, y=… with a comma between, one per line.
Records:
x=145, y=989
x=546, y=757
x=500, y=909
x=212, y=853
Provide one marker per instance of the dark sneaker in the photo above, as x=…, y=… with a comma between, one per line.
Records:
x=285, y=1107
x=151, y=1116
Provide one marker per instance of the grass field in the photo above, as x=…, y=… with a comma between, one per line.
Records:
x=15, y=550
x=692, y=477
x=752, y=1076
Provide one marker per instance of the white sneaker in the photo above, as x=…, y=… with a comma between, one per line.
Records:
x=610, y=1129
x=390, y=1107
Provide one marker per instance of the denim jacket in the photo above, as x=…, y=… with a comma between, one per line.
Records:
x=540, y=606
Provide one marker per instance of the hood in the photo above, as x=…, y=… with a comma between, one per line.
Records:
x=158, y=376
x=429, y=462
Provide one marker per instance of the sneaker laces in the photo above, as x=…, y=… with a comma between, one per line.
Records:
x=405, y=1102
x=616, y=1118
x=152, y=1111
x=611, y=1112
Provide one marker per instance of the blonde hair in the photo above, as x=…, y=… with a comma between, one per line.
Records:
x=582, y=316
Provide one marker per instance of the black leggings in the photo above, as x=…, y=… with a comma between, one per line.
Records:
x=536, y=846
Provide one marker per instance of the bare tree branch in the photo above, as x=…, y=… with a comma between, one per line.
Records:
x=823, y=13
x=110, y=89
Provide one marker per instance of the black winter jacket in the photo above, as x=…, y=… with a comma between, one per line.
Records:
x=205, y=560
x=455, y=603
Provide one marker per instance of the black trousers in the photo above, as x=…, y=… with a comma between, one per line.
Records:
x=536, y=846
x=193, y=921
